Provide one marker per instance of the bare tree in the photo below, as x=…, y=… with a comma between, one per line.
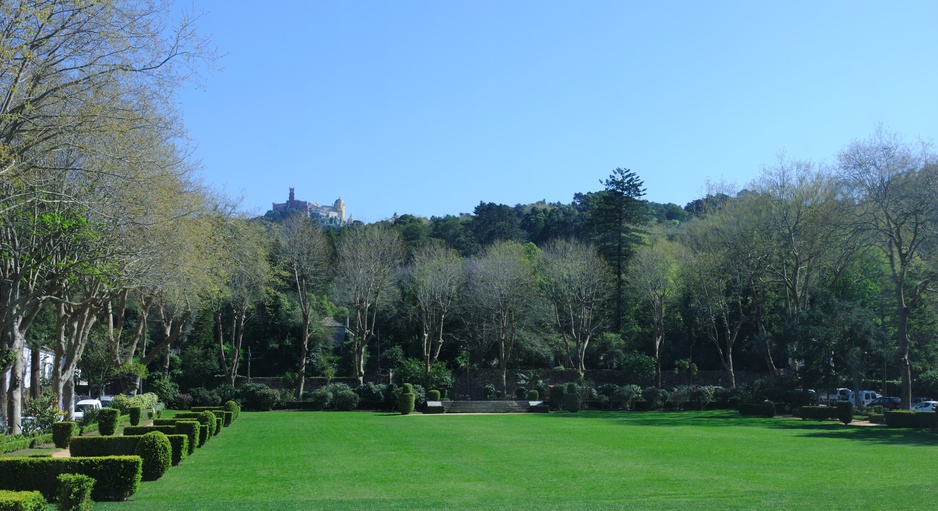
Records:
x=247, y=281
x=368, y=260
x=306, y=254
x=578, y=284
x=434, y=281
x=654, y=276
x=503, y=292
x=895, y=186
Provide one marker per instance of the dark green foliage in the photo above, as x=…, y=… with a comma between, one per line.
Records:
x=192, y=430
x=219, y=423
x=764, y=409
x=654, y=398
x=433, y=395
x=116, y=477
x=205, y=397
x=571, y=398
x=62, y=433
x=232, y=407
x=22, y=501
x=405, y=402
x=155, y=450
x=372, y=396
x=166, y=429
x=877, y=418
x=321, y=399
x=267, y=399
x=909, y=419
x=818, y=413
x=346, y=400
x=134, y=412
x=489, y=392
x=96, y=446
x=74, y=492
x=532, y=395
x=182, y=401
x=626, y=396
x=520, y=392
x=555, y=397
x=108, y=419
x=180, y=447
x=845, y=412
x=249, y=397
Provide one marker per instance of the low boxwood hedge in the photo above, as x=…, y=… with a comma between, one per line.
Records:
x=143, y=430
x=116, y=477
x=22, y=501
x=909, y=419
x=62, y=433
x=818, y=413
x=153, y=462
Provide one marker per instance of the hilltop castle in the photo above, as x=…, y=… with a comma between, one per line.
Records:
x=327, y=215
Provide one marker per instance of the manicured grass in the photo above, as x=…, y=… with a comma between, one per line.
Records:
x=687, y=460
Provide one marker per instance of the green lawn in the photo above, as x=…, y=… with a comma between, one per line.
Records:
x=588, y=460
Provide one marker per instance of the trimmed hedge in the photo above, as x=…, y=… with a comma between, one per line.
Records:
x=116, y=477
x=143, y=430
x=180, y=447
x=818, y=413
x=108, y=419
x=192, y=430
x=910, y=419
x=74, y=492
x=407, y=399
x=22, y=501
x=764, y=409
x=134, y=412
x=96, y=446
x=845, y=412
x=28, y=442
x=62, y=433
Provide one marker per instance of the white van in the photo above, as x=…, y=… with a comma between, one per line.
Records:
x=84, y=405
x=866, y=397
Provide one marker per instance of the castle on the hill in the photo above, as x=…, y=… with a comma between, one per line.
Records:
x=327, y=215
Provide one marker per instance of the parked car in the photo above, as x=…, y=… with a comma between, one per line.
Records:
x=925, y=406
x=866, y=397
x=888, y=403
x=832, y=396
x=85, y=405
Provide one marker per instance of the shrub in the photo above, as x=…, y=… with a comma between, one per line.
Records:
x=202, y=396
x=267, y=399
x=74, y=492
x=764, y=409
x=371, y=396
x=207, y=419
x=655, y=398
x=108, y=420
x=346, y=400
x=627, y=395
x=191, y=429
x=405, y=402
x=818, y=413
x=532, y=395
x=232, y=407
x=179, y=448
x=134, y=412
x=845, y=412
x=116, y=477
x=877, y=418
x=520, y=392
x=433, y=395
x=489, y=392
x=22, y=501
x=555, y=397
x=571, y=398
x=909, y=419
x=62, y=433
x=155, y=450
x=182, y=401
x=321, y=399
x=166, y=429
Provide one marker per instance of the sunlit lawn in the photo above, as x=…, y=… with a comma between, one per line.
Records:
x=595, y=460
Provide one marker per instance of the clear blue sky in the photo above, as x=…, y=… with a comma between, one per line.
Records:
x=429, y=107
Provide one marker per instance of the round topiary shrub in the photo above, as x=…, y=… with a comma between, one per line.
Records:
x=135, y=413
x=156, y=452
x=520, y=392
x=62, y=433
x=433, y=395
x=532, y=395
x=405, y=402
x=267, y=399
x=233, y=407
x=108, y=419
x=207, y=419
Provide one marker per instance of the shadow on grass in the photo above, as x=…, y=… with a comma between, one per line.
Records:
x=724, y=418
